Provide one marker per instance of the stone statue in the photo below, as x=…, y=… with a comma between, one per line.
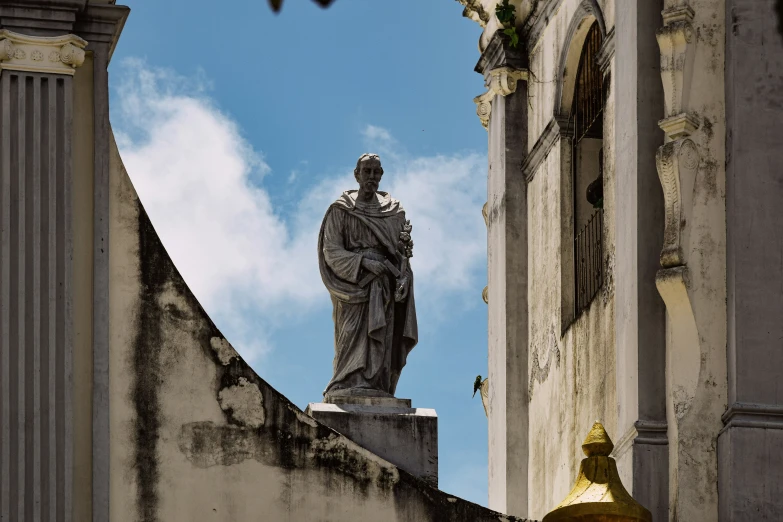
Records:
x=363, y=251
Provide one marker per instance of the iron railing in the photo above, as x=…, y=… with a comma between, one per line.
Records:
x=588, y=261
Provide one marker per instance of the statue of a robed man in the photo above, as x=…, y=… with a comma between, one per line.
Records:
x=363, y=251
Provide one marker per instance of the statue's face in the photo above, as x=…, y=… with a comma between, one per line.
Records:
x=369, y=175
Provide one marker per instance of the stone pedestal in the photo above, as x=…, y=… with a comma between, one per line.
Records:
x=389, y=427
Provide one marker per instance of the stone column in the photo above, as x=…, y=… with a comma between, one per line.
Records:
x=750, y=446
x=36, y=339
x=51, y=151
x=637, y=98
x=503, y=111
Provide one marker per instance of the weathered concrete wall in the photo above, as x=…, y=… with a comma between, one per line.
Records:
x=571, y=372
x=751, y=444
x=197, y=435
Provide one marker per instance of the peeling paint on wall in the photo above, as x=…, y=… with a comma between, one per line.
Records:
x=244, y=403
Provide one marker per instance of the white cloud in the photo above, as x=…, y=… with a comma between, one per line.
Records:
x=202, y=184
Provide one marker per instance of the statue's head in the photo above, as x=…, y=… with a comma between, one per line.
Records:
x=368, y=172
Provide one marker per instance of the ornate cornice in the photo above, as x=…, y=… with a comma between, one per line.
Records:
x=499, y=53
x=677, y=163
x=53, y=55
x=676, y=40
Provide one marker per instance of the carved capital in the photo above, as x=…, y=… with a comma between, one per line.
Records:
x=503, y=80
x=58, y=55
x=677, y=43
x=679, y=126
x=678, y=163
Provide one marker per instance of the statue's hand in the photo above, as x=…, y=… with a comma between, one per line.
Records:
x=376, y=267
x=402, y=289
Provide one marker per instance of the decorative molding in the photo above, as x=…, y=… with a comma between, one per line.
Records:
x=651, y=432
x=677, y=45
x=475, y=11
x=572, y=48
x=54, y=55
x=677, y=163
x=485, y=213
x=753, y=415
x=554, y=130
x=501, y=81
x=643, y=432
x=483, y=12
x=606, y=52
x=484, y=107
x=485, y=294
x=679, y=126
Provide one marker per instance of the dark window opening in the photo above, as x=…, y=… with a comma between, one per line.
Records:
x=587, y=174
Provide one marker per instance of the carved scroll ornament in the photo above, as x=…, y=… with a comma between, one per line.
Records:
x=677, y=45
x=502, y=81
x=678, y=163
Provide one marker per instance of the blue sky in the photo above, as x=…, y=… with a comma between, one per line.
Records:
x=239, y=128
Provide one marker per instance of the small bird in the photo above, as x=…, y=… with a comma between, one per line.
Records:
x=476, y=385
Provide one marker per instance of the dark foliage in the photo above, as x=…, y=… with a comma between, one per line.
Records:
x=276, y=5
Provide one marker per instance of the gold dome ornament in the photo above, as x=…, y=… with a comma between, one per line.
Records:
x=599, y=495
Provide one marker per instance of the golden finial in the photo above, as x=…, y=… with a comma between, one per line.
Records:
x=597, y=443
x=599, y=493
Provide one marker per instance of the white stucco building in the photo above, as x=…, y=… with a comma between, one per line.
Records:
x=634, y=260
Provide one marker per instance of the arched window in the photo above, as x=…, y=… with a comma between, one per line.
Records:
x=587, y=173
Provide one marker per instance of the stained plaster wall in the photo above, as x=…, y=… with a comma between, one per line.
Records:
x=572, y=375
x=197, y=435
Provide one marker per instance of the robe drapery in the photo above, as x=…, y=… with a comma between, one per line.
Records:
x=372, y=333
